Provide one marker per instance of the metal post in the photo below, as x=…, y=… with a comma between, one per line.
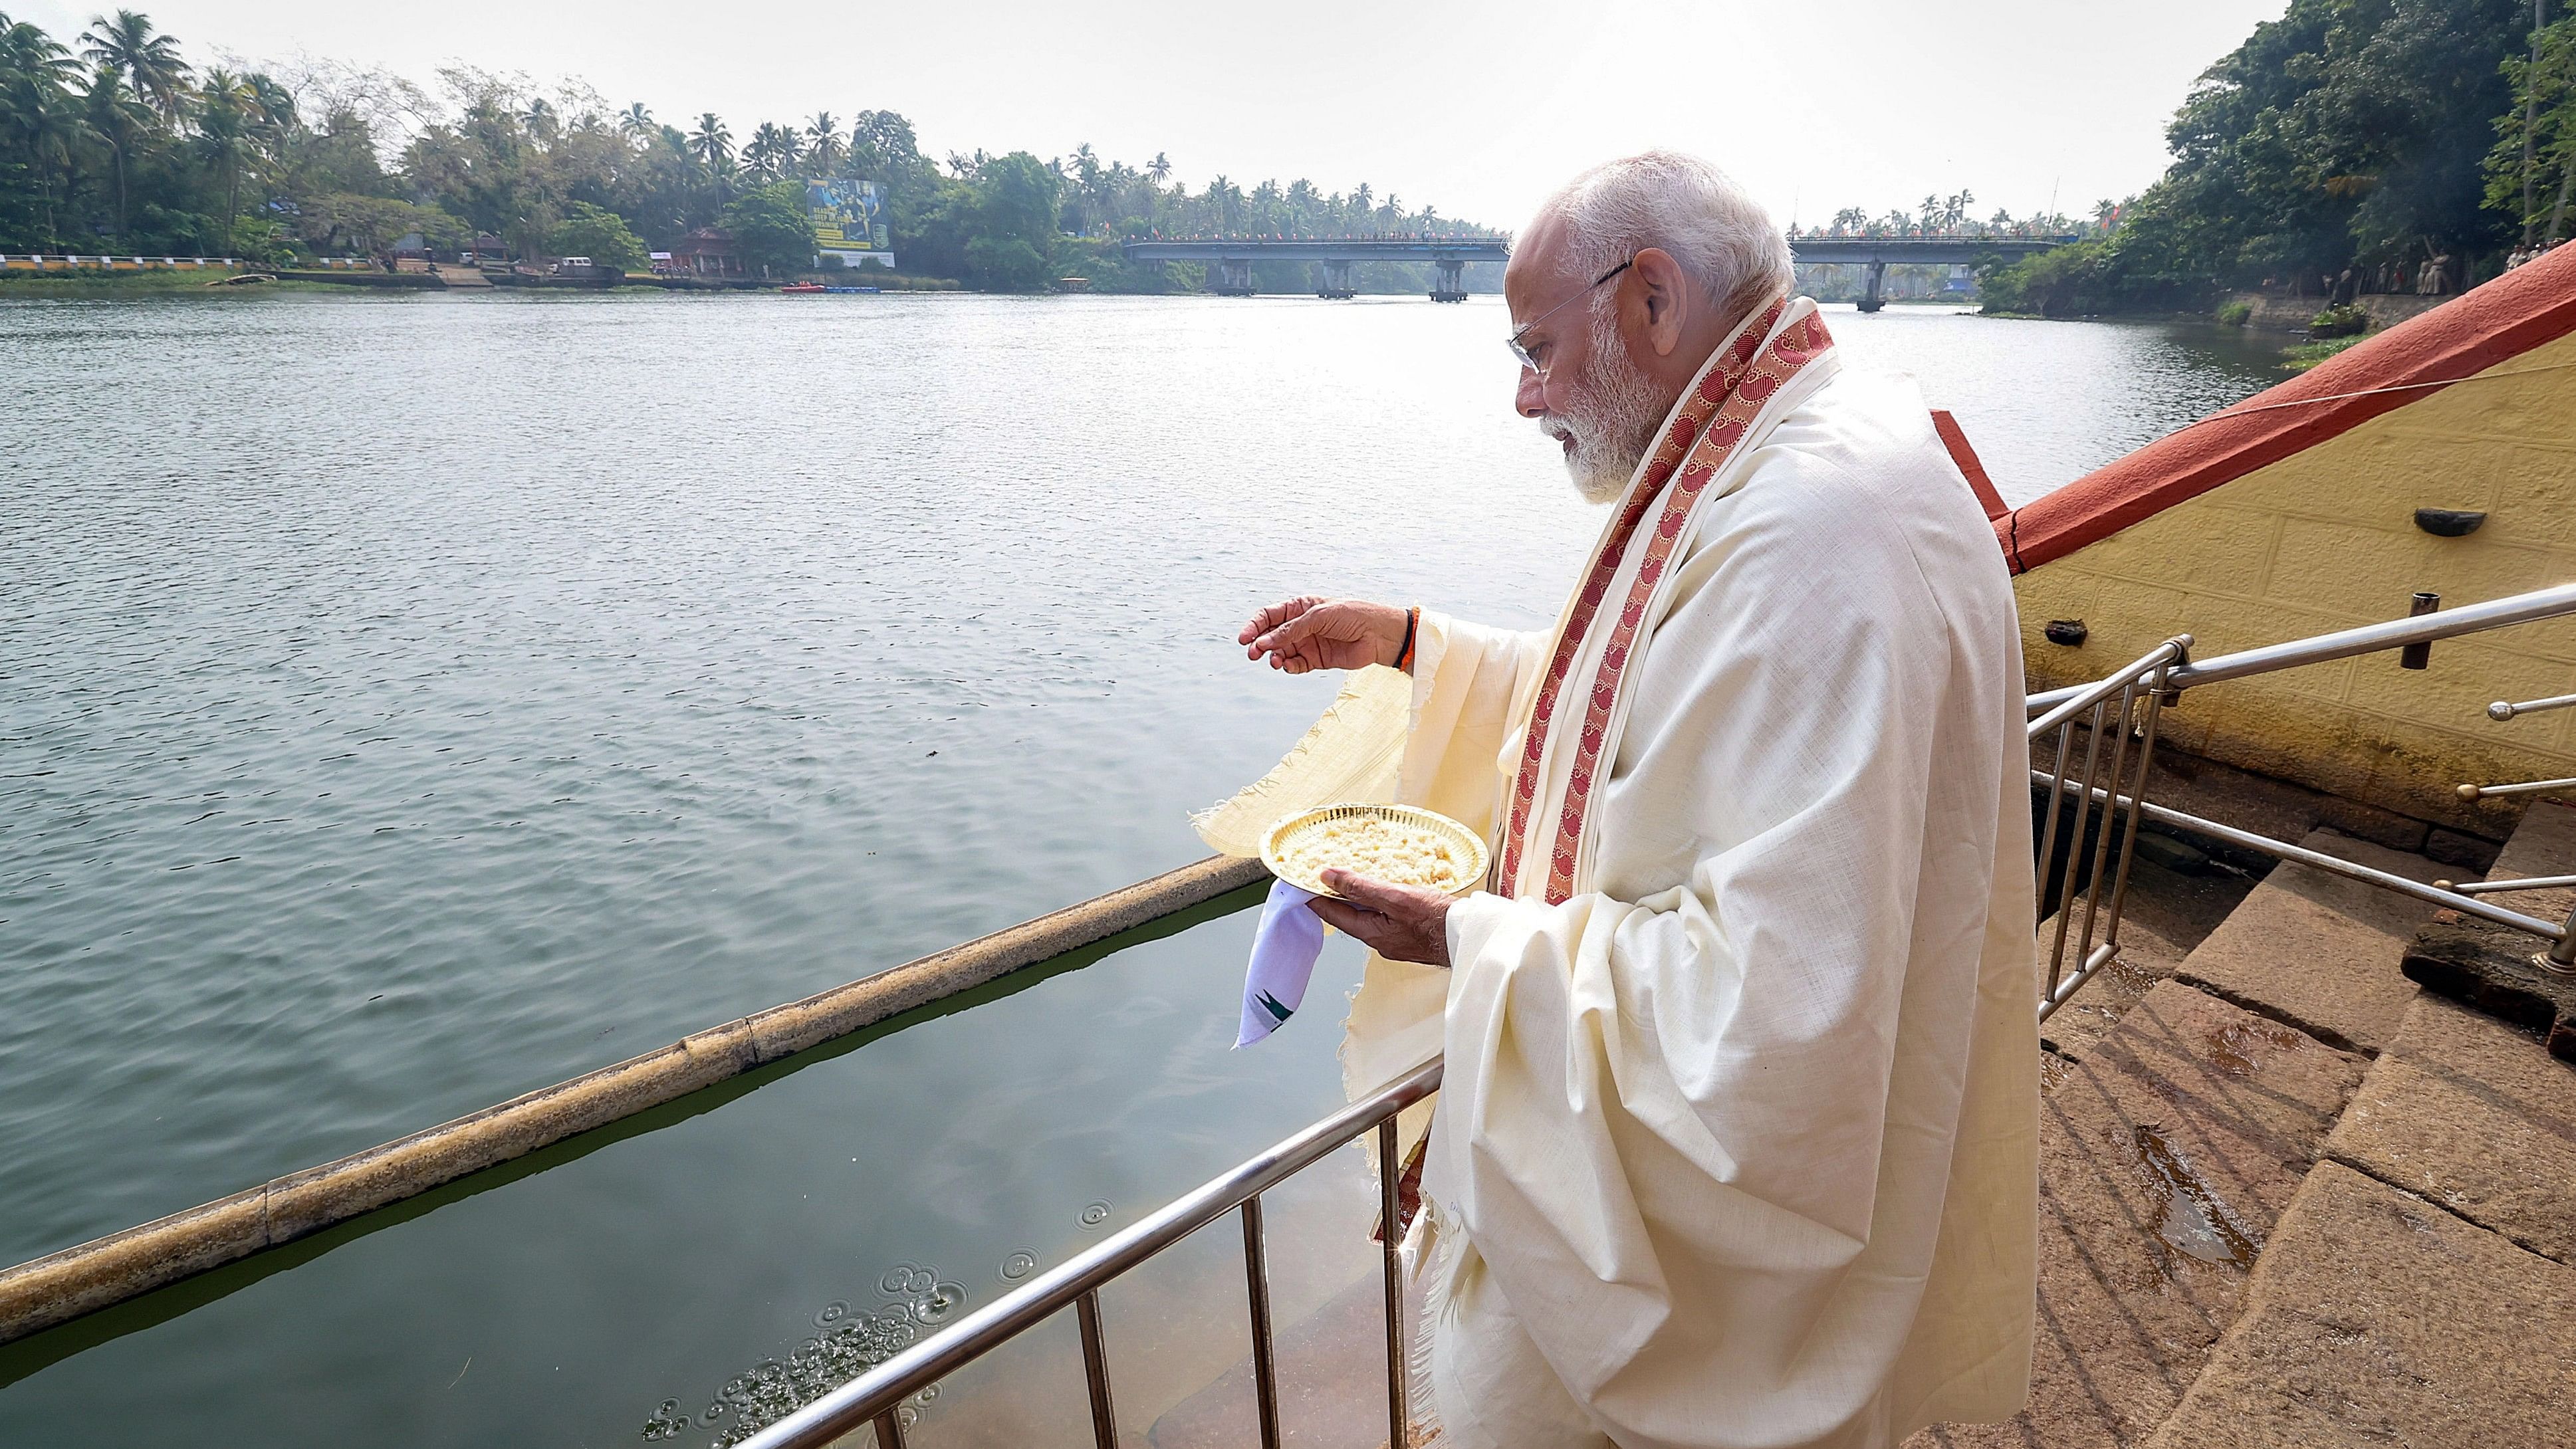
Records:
x=2075, y=848
x=2137, y=804
x=2110, y=819
x=2419, y=656
x=2560, y=958
x=1388, y=1166
x=1256, y=1282
x=890, y=1429
x=1095, y=1367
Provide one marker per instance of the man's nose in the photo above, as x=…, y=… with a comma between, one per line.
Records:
x=1531, y=398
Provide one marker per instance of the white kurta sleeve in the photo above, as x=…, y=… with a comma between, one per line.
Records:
x=1466, y=680
x=1668, y=1102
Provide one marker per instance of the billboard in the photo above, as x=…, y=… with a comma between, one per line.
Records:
x=849, y=220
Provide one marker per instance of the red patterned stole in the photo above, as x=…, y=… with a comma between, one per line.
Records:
x=1712, y=421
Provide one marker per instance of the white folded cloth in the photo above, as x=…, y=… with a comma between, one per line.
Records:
x=1284, y=948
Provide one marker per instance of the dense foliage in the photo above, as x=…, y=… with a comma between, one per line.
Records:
x=117, y=143
x=2348, y=132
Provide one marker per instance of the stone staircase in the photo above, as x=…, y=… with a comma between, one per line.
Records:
x=2287, y=1198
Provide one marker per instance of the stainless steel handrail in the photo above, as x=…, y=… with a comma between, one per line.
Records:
x=2505, y=709
x=2343, y=644
x=2084, y=696
x=877, y=1396
x=2525, y=883
x=2520, y=787
x=2249, y=840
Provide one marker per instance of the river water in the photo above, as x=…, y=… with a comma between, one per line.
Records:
x=408, y=702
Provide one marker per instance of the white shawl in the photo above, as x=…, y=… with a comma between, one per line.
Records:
x=1737, y=1144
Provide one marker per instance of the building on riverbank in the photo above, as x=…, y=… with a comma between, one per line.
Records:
x=709, y=251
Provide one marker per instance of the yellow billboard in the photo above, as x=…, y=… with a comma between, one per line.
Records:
x=848, y=215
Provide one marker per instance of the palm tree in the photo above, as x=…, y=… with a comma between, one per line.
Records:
x=711, y=142
x=117, y=120
x=772, y=149
x=635, y=122
x=224, y=126
x=823, y=143
x=1159, y=170
x=541, y=121
x=34, y=108
x=149, y=62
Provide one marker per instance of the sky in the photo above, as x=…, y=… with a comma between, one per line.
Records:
x=1478, y=108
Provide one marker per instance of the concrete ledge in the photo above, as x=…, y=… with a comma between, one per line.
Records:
x=65, y=1285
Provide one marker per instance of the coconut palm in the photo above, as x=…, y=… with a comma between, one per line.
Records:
x=823, y=148
x=226, y=122
x=635, y=122
x=119, y=122
x=1159, y=170
x=148, y=61
x=711, y=142
x=35, y=112
x=772, y=150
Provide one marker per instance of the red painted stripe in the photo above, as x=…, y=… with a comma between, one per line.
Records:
x=2524, y=308
x=1956, y=441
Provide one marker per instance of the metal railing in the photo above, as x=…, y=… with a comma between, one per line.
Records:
x=2112, y=802
x=877, y=1397
x=2090, y=876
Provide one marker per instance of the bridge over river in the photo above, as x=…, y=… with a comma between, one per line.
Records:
x=1233, y=256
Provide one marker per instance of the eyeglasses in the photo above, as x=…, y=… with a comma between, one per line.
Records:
x=1514, y=341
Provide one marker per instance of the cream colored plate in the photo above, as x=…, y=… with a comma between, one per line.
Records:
x=1283, y=838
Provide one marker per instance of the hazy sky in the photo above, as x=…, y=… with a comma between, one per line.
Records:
x=1477, y=108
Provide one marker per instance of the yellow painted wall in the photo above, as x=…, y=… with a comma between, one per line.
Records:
x=2326, y=539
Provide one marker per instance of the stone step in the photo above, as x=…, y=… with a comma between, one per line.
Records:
x=2320, y=952
x=2176, y=898
x=2166, y=1153
x=2377, y=1319
x=2421, y=1289
x=2498, y=969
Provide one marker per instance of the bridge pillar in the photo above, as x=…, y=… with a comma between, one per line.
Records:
x=1337, y=279
x=1234, y=276
x=1877, y=274
x=1452, y=284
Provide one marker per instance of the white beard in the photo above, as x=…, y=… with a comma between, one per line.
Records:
x=1612, y=422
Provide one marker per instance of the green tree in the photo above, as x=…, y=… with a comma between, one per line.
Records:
x=2532, y=169
x=147, y=60
x=119, y=123
x=771, y=230
x=370, y=225
x=1015, y=230
x=599, y=234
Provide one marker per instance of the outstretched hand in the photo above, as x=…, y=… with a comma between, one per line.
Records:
x=1401, y=923
x=1311, y=632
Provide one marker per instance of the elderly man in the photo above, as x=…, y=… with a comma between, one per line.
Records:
x=1736, y=1144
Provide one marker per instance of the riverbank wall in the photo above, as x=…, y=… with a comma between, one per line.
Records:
x=2269, y=313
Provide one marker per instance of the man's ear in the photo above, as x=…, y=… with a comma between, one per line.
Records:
x=1665, y=297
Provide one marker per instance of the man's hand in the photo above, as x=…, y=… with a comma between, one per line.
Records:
x=1309, y=633
x=1401, y=923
